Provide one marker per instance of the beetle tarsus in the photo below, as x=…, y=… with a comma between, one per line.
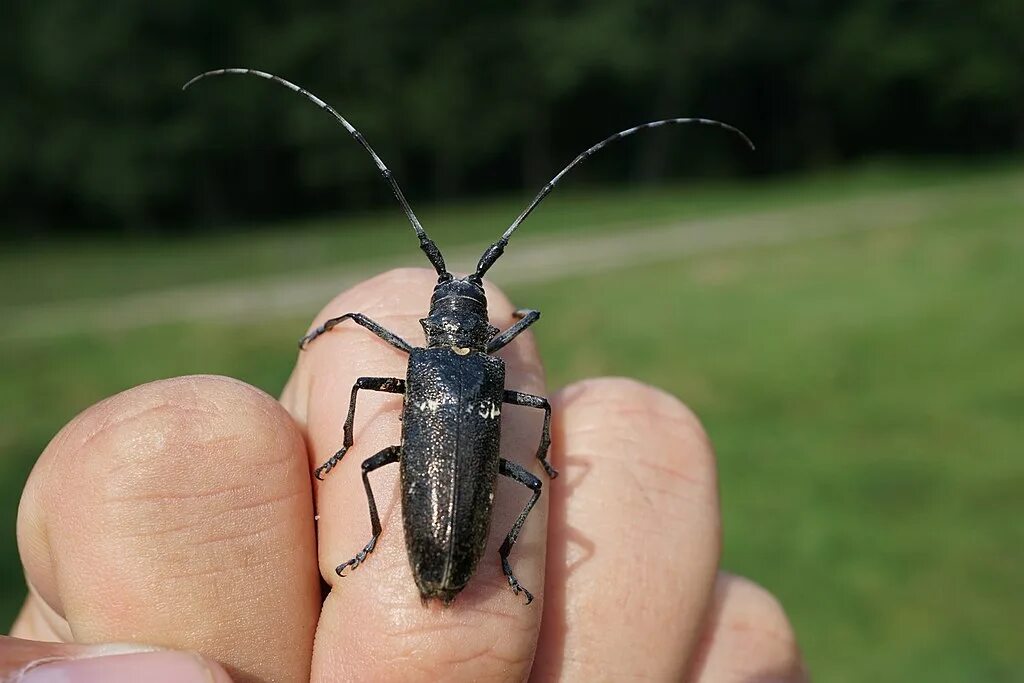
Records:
x=319, y=472
x=304, y=342
x=358, y=559
x=513, y=582
x=551, y=471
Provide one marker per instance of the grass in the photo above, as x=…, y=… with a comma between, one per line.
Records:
x=865, y=392
x=101, y=267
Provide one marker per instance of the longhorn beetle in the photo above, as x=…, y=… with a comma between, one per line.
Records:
x=453, y=393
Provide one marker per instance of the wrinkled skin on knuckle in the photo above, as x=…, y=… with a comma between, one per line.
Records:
x=191, y=439
x=159, y=469
x=485, y=634
x=475, y=647
x=179, y=514
x=475, y=638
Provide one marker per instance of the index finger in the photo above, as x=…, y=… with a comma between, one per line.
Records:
x=488, y=632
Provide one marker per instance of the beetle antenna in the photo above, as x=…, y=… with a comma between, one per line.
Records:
x=493, y=252
x=426, y=244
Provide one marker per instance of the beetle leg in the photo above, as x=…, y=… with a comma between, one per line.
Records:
x=391, y=385
x=518, y=398
x=519, y=474
x=526, y=317
x=359, y=319
x=387, y=456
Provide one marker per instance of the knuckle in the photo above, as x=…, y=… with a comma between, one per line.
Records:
x=396, y=288
x=396, y=297
x=616, y=393
x=467, y=651
x=639, y=412
x=207, y=424
x=166, y=466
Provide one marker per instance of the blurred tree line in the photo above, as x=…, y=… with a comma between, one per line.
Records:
x=95, y=132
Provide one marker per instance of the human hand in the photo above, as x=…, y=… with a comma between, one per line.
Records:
x=180, y=514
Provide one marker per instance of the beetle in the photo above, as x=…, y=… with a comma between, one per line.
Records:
x=453, y=393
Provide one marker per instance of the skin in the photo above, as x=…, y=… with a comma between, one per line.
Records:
x=181, y=514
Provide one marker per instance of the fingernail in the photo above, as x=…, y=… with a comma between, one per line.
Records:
x=152, y=667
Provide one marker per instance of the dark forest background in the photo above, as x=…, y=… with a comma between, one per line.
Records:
x=97, y=135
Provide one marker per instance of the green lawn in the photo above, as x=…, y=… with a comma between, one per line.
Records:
x=865, y=391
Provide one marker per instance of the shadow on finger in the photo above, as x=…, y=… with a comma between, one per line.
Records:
x=634, y=540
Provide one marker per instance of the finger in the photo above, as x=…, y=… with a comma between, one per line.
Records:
x=747, y=638
x=27, y=661
x=177, y=514
x=634, y=540
x=488, y=632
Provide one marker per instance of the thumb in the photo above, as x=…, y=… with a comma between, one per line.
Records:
x=30, y=661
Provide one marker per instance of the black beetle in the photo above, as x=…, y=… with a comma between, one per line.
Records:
x=453, y=393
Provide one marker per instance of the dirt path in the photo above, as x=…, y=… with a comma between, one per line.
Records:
x=528, y=260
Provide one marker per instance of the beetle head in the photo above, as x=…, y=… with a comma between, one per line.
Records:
x=458, y=316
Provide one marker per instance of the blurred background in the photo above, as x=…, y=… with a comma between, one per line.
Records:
x=841, y=307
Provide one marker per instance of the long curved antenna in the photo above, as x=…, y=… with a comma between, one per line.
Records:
x=494, y=251
x=426, y=244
